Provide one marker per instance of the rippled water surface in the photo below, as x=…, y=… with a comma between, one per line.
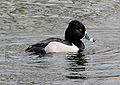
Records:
x=24, y=22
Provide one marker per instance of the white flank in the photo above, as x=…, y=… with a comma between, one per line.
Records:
x=60, y=47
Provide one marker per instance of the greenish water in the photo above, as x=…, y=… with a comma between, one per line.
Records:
x=24, y=22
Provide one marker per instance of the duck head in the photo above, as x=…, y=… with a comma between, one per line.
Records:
x=76, y=31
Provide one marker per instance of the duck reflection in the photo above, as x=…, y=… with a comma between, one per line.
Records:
x=76, y=66
x=75, y=63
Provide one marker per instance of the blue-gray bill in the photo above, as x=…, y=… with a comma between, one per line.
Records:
x=88, y=38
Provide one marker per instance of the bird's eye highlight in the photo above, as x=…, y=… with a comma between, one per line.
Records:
x=80, y=30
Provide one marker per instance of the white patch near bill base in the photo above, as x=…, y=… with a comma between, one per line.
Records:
x=60, y=47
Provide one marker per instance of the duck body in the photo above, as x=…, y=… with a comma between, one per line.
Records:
x=54, y=45
x=72, y=43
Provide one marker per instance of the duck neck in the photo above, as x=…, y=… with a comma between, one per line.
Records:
x=77, y=42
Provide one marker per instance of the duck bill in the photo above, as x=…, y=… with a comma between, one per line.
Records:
x=88, y=38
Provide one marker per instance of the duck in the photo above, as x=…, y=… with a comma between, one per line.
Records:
x=72, y=42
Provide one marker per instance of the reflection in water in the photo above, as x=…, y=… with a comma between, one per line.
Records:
x=76, y=65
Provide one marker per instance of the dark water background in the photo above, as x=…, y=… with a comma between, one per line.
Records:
x=24, y=22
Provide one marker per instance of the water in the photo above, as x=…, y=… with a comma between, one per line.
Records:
x=24, y=22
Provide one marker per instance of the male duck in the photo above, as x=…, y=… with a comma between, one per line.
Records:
x=72, y=42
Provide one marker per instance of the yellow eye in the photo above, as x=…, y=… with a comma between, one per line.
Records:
x=80, y=30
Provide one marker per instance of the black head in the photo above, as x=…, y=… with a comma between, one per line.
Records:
x=75, y=31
